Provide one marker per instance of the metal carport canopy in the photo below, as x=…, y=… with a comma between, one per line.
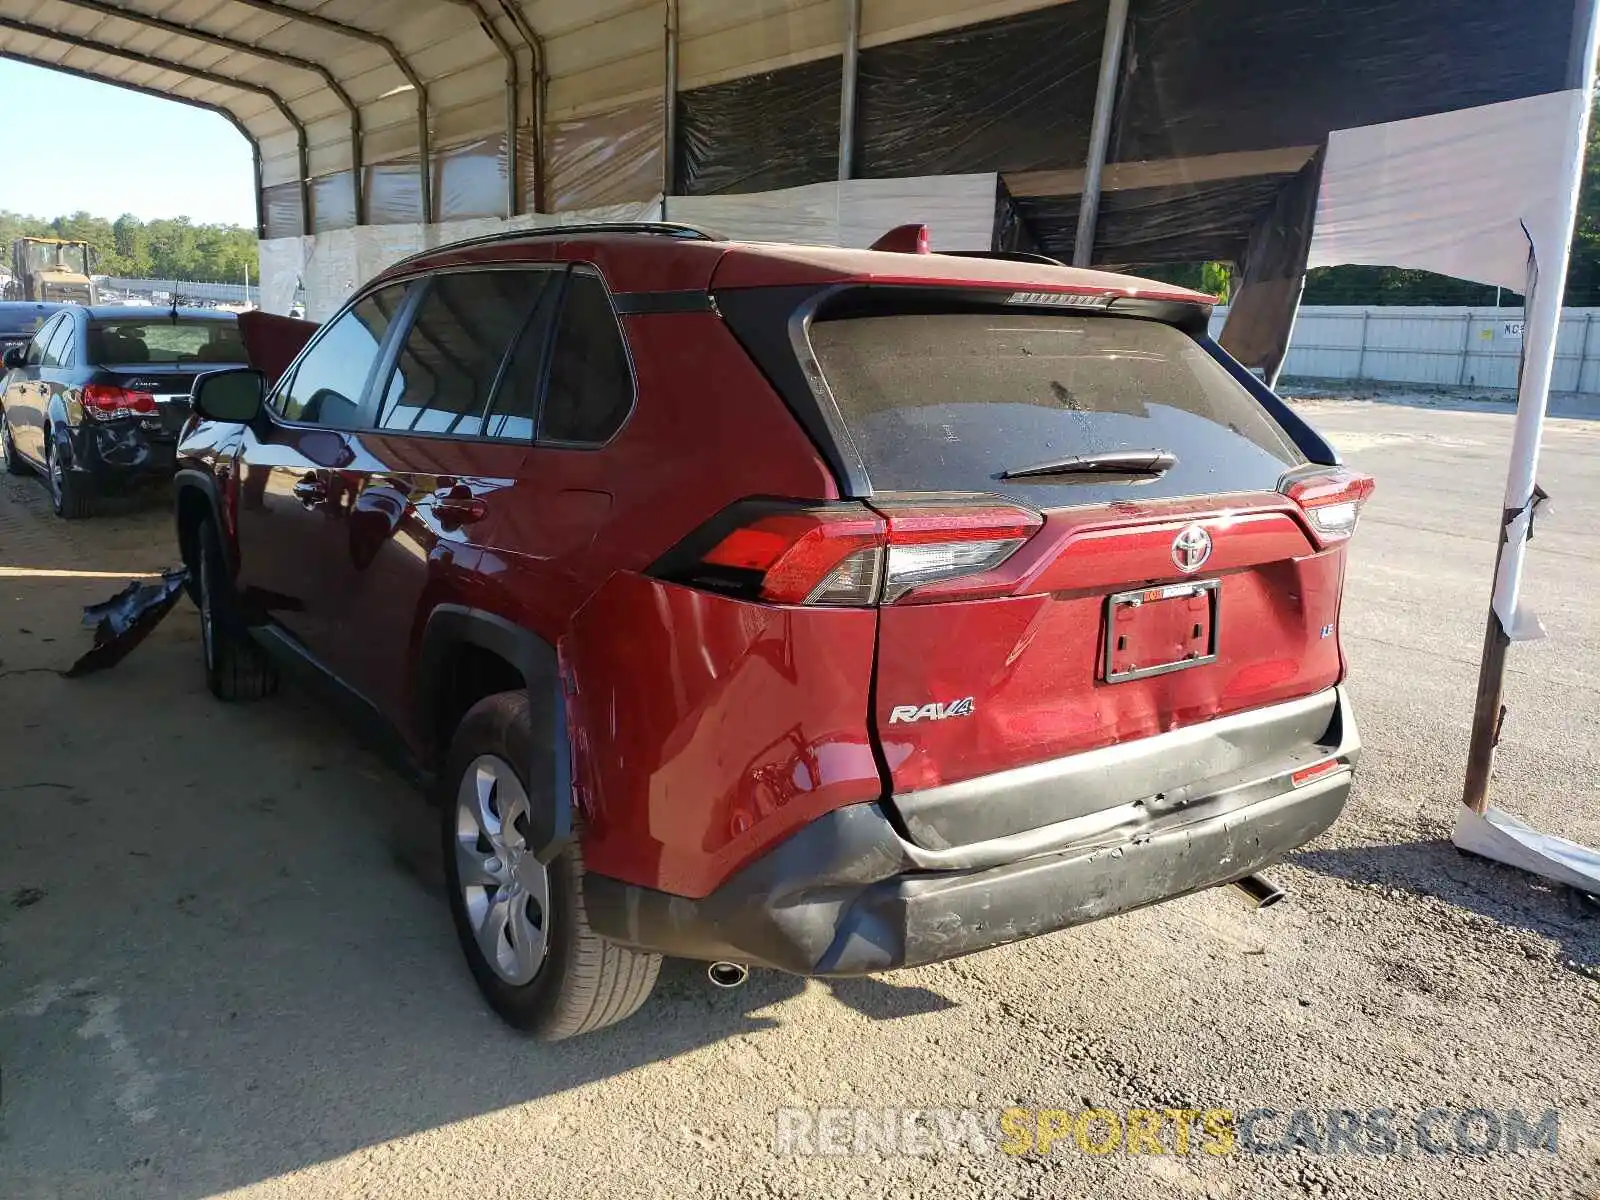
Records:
x=364, y=111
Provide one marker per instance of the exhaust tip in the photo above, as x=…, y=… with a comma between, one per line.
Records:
x=727, y=974
x=1259, y=891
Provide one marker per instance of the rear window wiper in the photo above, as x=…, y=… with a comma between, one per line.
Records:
x=1110, y=462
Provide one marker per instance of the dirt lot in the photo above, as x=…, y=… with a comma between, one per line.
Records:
x=226, y=966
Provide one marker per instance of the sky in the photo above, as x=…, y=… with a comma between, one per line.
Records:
x=128, y=152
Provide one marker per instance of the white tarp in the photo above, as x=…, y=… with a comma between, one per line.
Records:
x=1450, y=193
x=329, y=266
x=1500, y=836
x=958, y=210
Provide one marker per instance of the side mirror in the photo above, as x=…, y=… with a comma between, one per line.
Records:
x=16, y=357
x=229, y=395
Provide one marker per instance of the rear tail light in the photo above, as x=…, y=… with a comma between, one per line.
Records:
x=105, y=402
x=851, y=554
x=944, y=550
x=1332, y=499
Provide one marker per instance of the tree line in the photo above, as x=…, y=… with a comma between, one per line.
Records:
x=174, y=248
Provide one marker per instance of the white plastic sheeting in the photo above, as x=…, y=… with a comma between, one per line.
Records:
x=1500, y=836
x=329, y=266
x=1450, y=193
x=959, y=211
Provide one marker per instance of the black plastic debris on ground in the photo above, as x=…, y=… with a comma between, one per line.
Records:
x=126, y=619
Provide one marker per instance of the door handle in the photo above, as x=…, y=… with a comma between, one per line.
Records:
x=458, y=506
x=310, y=491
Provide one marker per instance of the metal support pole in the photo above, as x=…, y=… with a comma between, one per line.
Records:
x=1466, y=347
x=1583, y=353
x=1361, y=357
x=535, y=44
x=509, y=56
x=669, y=126
x=847, y=88
x=261, y=203
x=1105, y=103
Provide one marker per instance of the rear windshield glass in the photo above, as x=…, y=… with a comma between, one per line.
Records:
x=161, y=340
x=947, y=402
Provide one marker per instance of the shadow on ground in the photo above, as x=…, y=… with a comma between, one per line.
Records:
x=224, y=946
x=1437, y=870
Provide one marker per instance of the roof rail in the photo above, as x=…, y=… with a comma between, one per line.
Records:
x=671, y=229
x=1027, y=256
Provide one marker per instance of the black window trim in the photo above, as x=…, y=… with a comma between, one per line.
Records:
x=407, y=316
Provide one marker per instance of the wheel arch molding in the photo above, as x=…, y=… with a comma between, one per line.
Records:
x=449, y=628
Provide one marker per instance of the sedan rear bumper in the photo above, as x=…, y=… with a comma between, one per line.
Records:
x=122, y=454
x=848, y=895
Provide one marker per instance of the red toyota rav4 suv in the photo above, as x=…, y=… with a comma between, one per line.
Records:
x=823, y=609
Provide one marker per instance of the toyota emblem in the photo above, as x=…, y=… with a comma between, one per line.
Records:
x=1191, y=548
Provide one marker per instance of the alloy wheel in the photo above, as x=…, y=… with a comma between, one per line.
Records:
x=505, y=889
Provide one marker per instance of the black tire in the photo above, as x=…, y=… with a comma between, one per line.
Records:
x=584, y=982
x=8, y=450
x=70, y=496
x=236, y=668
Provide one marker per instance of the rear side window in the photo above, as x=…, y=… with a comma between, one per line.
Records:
x=948, y=402
x=329, y=382
x=452, y=353
x=591, y=384
x=59, y=352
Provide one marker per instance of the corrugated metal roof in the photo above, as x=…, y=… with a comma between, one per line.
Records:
x=325, y=89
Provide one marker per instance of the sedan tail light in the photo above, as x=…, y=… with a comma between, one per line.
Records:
x=1332, y=499
x=851, y=554
x=105, y=402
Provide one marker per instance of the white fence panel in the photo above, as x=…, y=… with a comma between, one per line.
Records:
x=1449, y=347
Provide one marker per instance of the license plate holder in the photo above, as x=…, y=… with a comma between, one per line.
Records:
x=1158, y=630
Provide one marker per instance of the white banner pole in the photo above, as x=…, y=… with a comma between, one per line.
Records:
x=1478, y=828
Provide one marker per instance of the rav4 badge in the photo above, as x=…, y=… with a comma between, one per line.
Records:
x=909, y=713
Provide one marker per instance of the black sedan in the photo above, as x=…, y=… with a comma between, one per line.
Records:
x=97, y=398
x=21, y=319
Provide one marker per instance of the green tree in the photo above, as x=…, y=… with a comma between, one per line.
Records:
x=173, y=248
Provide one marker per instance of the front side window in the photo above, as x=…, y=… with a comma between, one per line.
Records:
x=452, y=353
x=329, y=382
x=591, y=384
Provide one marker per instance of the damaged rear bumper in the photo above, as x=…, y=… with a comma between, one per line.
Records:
x=848, y=895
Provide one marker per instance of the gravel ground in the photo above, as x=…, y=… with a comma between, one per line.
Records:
x=226, y=966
